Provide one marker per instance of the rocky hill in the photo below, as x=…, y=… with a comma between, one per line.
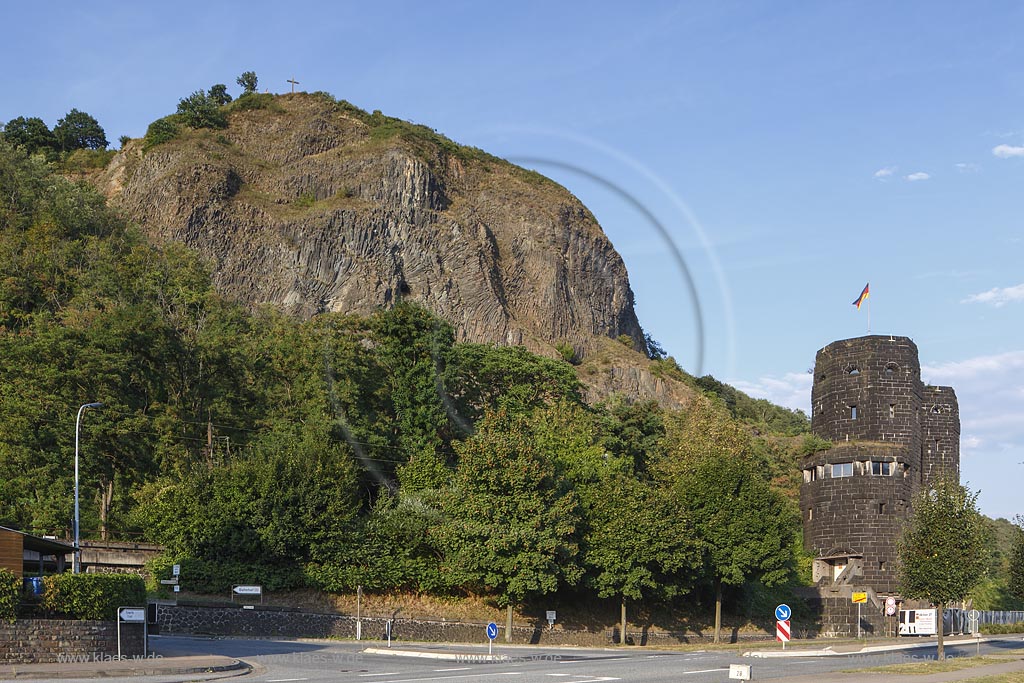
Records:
x=312, y=205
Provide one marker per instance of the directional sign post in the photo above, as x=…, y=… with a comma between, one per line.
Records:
x=132, y=632
x=859, y=598
x=783, y=629
x=492, y=633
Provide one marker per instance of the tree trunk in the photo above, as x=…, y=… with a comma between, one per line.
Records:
x=939, y=629
x=508, y=624
x=622, y=632
x=718, y=610
x=106, y=500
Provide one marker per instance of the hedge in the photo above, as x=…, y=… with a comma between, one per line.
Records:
x=10, y=592
x=92, y=596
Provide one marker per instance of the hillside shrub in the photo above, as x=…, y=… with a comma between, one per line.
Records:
x=92, y=596
x=999, y=629
x=211, y=577
x=160, y=131
x=252, y=100
x=10, y=587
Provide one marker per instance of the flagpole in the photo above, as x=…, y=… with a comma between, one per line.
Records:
x=869, y=322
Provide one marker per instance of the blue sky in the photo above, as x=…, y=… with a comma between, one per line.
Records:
x=791, y=151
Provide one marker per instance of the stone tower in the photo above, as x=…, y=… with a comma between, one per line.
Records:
x=891, y=435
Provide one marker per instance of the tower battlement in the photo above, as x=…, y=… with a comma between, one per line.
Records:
x=893, y=434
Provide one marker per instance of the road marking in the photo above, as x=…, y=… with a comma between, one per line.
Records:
x=387, y=673
x=448, y=678
x=702, y=671
x=461, y=668
x=558, y=674
x=284, y=680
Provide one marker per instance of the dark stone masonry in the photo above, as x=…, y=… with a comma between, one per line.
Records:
x=892, y=435
x=38, y=641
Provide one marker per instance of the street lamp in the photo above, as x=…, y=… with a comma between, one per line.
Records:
x=76, y=564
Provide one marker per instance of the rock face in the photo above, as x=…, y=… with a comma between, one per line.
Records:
x=312, y=205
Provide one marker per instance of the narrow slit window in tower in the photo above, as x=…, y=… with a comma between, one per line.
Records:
x=892, y=410
x=853, y=412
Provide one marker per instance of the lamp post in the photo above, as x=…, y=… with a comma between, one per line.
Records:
x=76, y=564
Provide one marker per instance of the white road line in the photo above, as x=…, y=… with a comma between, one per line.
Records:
x=448, y=678
x=386, y=673
x=558, y=674
x=461, y=668
x=702, y=671
x=285, y=680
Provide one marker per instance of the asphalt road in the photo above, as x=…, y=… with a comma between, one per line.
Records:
x=278, y=661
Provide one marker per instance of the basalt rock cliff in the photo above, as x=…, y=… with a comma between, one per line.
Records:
x=312, y=205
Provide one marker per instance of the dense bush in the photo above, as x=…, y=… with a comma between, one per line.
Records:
x=214, y=577
x=160, y=131
x=997, y=629
x=10, y=587
x=92, y=596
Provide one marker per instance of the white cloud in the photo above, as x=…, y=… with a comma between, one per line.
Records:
x=1007, y=151
x=997, y=296
x=884, y=173
x=920, y=175
x=792, y=390
x=968, y=167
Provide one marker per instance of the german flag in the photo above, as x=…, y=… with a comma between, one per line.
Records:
x=863, y=295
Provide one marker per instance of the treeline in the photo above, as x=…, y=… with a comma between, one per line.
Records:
x=345, y=451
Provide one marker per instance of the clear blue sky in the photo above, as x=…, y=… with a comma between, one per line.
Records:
x=792, y=151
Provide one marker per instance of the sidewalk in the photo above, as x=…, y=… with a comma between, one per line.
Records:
x=194, y=666
x=946, y=677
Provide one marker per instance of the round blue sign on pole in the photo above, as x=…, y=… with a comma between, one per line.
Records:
x=492, y=630
x=782, y=612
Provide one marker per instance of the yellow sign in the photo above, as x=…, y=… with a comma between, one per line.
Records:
x=860, y=598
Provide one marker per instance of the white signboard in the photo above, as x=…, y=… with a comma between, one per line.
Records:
x=132, y=615
x=248, y=590
x=917, y=622
x=176, y=570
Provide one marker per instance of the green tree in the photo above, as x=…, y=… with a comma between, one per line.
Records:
x=745, y=528
x=512, y=520
x=1016, y=583
x=32, y=134
x=219, y=94
x=78, y=130
x=248, y=82
x=942, y=552
x=199, y=110
x=638, y=542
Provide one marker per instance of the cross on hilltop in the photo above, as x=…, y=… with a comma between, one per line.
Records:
x=293, y=82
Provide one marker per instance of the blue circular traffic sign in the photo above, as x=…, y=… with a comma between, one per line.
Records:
x=492, y=630
x=782, y=612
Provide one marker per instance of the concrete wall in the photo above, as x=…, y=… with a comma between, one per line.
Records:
x=29, y=641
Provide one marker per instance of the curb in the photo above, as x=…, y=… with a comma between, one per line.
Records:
x=42, y=673
x=867, y=649
x=443, y=656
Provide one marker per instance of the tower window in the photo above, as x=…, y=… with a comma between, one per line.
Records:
x=936, y=410
x=881, y=508
x=853, y=412
x=852, y=370
x=892, y=410
x=891, y=369
x=842, y=469
x=881, y=565
x=881, y=469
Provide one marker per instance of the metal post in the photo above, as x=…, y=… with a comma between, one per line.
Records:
x=76, y=558
x=359, y=612
x=858, y=621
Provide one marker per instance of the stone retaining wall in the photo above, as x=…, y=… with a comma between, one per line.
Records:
x=275, y=622
x=37, y=641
